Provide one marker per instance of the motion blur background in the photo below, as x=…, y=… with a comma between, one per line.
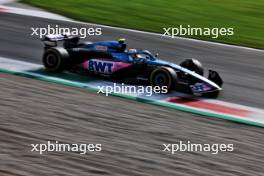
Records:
x=245, y=16
x=132, y=133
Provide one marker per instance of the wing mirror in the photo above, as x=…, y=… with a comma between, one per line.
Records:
x=157, y=54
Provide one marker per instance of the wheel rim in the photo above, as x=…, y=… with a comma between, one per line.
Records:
x=51, y=60
x=160, y=79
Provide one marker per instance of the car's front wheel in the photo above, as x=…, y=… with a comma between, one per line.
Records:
x=193, y=65
x=55, y=59
x=163, y=76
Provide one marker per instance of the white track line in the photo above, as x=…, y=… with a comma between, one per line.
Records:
x=255, y=117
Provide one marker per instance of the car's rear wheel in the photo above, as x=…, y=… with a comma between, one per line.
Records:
x=55, y=59
x=163, y=76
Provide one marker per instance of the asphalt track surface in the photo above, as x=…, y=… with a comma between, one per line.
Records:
x=131, y=133
x=242, y=70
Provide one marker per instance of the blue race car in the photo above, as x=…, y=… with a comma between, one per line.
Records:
x=111, y=59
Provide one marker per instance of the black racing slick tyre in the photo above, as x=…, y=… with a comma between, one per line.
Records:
x=163, y=76
x=193, y=65
x=55, y=59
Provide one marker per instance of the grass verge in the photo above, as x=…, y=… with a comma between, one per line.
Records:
x=245, y=16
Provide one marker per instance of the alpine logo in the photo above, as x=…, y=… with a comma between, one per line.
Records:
x=100, y=66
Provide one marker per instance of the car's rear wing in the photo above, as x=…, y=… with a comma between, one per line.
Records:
x=51, y=40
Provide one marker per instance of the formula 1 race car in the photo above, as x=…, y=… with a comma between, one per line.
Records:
x=111, y=59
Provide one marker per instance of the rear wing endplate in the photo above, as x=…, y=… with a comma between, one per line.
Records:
x=51, y=40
